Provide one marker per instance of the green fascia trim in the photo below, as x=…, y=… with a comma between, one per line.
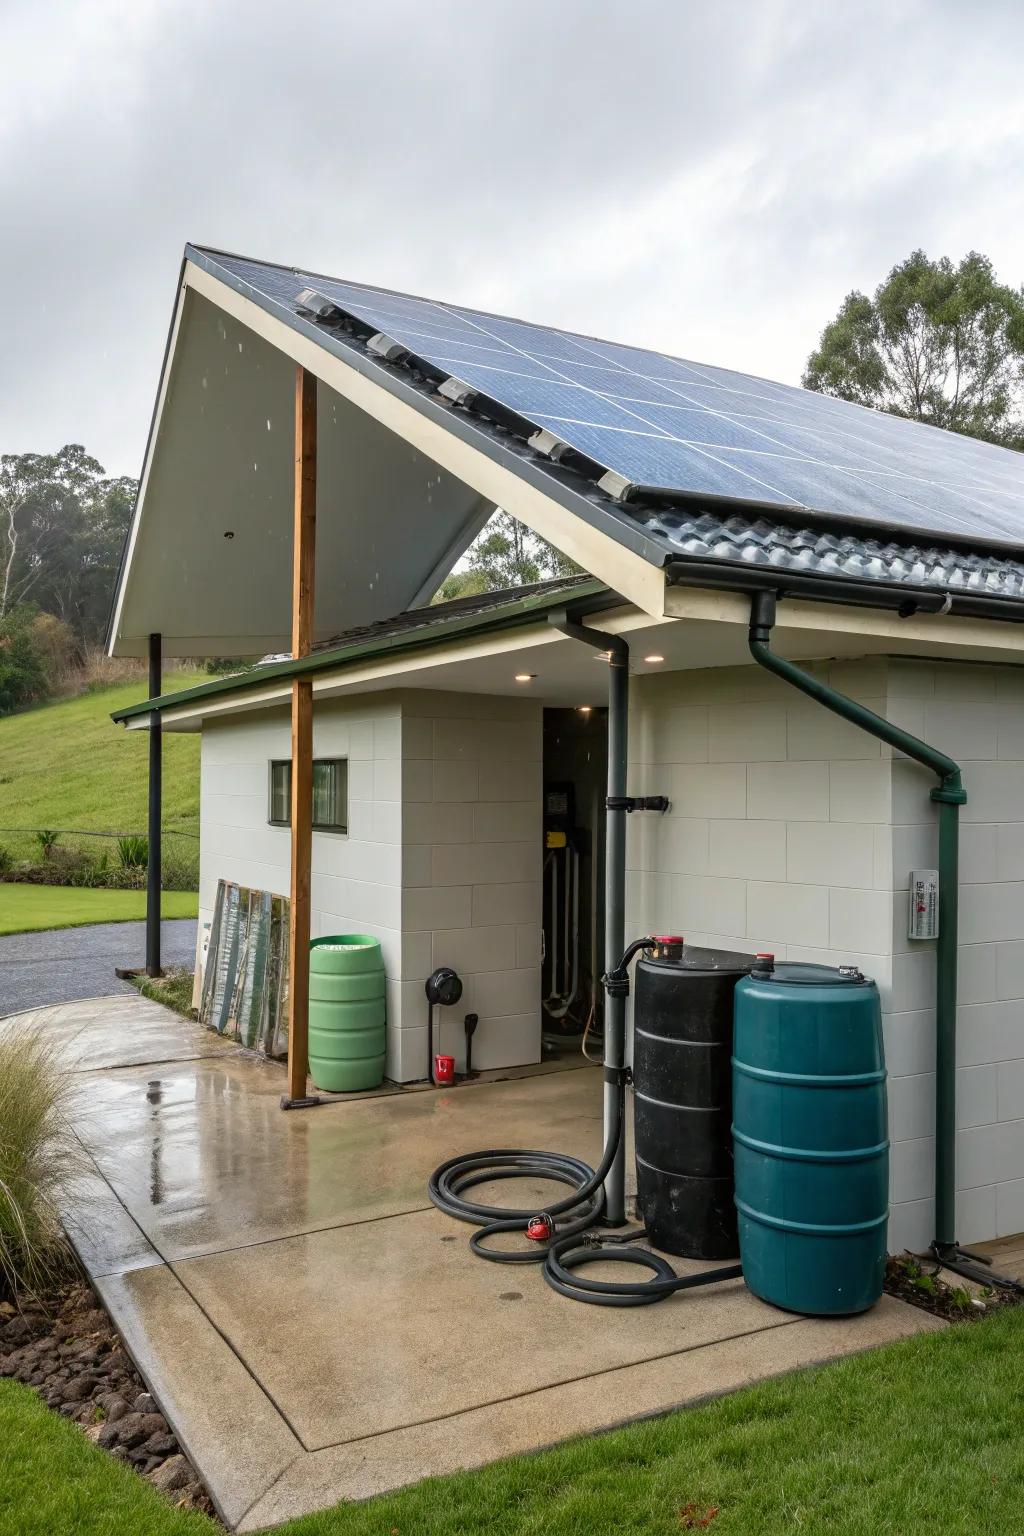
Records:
x=511, y=615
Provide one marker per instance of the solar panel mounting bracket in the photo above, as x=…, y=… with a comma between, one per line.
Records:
x=457, y=391
x=386, y=347
x=319, y=307
x=547, y=443
x=615, y=485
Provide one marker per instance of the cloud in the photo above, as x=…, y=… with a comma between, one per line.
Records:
x=707, y=179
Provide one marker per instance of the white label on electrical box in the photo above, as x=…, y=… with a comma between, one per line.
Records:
x=924, y=904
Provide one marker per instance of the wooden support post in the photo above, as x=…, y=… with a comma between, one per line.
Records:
x=303, y=585
x=154, y=860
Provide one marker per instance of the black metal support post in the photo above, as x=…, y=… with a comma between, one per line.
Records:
x=153, y=867
x=615, y=894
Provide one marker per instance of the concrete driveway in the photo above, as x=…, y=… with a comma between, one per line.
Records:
x=312, y=1328
x=59, y=965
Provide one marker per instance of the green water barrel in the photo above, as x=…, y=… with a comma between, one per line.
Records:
x=346, y=1012
x=810, y=1137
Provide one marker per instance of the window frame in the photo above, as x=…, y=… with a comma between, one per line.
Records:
x=337, y=829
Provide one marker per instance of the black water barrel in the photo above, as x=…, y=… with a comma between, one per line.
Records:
x=682, y=1086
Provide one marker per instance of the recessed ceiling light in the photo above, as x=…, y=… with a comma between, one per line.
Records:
x=525, y=677
x=654, y=659
x=583, y=709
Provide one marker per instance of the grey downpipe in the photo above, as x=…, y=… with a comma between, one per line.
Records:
x=949, y=795
x=615, y=895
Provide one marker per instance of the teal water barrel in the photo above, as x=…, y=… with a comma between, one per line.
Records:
x=346, y=1012
x=810, y=1137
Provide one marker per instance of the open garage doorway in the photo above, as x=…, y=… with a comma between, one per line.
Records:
x=575, y=786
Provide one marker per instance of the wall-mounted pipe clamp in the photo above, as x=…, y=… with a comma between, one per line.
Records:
x=630, y=803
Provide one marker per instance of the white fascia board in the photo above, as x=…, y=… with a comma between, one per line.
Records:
x=626, y=572
x=935, y=631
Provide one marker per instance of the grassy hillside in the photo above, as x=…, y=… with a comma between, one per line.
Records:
x=66, y=765
x=29, y=908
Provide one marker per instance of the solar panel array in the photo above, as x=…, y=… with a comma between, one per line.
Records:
x=689, y=429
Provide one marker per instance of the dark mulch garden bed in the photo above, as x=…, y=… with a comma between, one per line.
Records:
x=919, y=1282
x=68, y=1350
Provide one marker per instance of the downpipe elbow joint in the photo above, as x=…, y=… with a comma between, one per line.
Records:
x=950, y=792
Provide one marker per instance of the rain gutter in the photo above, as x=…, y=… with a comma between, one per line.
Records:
x=898, y=597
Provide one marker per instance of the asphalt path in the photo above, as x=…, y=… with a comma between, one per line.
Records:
x=60, y=965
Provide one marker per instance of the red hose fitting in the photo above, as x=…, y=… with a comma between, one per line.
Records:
x=540, y=1228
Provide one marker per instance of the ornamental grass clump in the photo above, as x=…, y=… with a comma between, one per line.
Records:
x=41, y=1160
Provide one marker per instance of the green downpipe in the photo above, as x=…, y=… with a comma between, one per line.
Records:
x=949, y=795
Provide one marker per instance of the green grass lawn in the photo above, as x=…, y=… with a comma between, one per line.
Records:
x=26, y=908
x=67, y=764
x=925, y=1436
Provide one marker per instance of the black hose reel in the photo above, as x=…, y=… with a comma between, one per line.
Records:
x=443, y=988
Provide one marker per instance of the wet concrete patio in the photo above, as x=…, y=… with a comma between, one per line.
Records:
x=312, y=1328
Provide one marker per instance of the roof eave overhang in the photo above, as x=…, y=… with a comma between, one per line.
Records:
x=504, y=475
x=517, y=613
x=508, y=476
x=124, y=566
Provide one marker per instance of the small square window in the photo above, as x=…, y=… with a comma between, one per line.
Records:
x=280, y=794
x=330, y=794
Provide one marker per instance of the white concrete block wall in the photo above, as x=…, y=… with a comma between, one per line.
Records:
x=976, y=714
x=777, y=834
x=356, y=883
x=792, y=831
x=472, y=853
x=441, y=861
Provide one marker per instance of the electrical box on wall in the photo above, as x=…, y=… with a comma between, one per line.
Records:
x=924, y=904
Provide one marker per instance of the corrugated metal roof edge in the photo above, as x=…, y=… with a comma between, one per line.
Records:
x=579, y=600
x=779, y=551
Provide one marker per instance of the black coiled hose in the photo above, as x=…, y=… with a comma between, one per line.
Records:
x=565, y=1255
x=573, y=1243
x=571, y=1216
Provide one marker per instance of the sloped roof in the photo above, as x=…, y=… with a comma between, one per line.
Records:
x=431, y=415
x=653, y=430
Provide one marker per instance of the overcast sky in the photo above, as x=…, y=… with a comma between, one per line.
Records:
x=709, y=179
